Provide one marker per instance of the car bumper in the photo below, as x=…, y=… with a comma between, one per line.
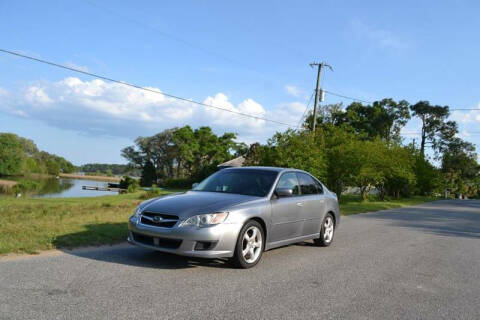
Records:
x=186, y=241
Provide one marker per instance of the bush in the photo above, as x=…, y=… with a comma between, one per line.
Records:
x=129, y=184
x=181, y=183
x=25, y=186
x=152, y=193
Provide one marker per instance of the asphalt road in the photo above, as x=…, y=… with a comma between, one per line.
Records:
x=420, y=262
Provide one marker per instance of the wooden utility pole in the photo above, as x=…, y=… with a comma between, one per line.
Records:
x=317, y=89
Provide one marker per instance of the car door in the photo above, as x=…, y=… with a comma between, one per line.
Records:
x=286, y=211
x=312, y=201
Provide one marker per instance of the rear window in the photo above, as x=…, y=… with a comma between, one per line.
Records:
x=308, y=185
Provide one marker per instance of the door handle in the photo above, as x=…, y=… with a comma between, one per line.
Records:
x=300, y=204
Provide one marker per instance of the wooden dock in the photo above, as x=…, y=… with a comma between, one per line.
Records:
x=94, y=188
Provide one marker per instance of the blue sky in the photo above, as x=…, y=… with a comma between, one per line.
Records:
x=249, y=56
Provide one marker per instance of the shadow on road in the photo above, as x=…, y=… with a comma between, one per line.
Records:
x=455, y=218
x=140, y=257
x=125, y=253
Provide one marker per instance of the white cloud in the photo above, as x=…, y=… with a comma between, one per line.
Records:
x=102, y=108
x=411, y=133
x=293, y=90
x=464, y=134
x=380, y=37
x=7, y=105
x=37, y=96
x=3, y=92
x=471, y=116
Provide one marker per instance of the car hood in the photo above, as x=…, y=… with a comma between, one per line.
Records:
x=191, y=203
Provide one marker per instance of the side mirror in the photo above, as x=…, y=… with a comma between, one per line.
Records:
x=283, y=192
x=194, y=185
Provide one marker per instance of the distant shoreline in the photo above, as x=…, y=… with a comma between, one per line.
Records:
x=7, y=183
x=85, y=177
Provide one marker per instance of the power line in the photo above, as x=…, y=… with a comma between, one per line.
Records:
x=143, y=88
x=167, y=35
x=347, y=97
x=370, y=102
x=189, y=100
x=419, y=133
x=306, y=109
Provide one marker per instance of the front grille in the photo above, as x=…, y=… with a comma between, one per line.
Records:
x=142, y=239
x=159, y=219
x=157, y=242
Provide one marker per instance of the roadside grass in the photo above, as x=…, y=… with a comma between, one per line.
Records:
x=352, y=204
x=29, y=225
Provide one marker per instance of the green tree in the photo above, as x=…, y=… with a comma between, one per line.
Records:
x=427, y=176
x=11, y=154
x=342, y=164
x=53, y=167
x=149, y=175
x=377, y=163
x=180, y=153
x=384, y=118
x=397, y=163
x=291, y=149
x=365, y=158
x=459, y=165
x=434, y=123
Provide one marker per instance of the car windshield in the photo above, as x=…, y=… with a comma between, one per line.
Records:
x=251, y=182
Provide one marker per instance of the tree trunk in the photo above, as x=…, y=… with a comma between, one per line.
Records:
x=381, y=192
x=424, y=138
x=363, y=193
x=338, y=189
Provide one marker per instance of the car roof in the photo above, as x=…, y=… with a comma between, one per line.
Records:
x=276, y=169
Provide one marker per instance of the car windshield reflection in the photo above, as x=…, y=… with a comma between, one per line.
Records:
x=250, y=182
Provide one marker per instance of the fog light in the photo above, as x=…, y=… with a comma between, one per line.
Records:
x=204, y=245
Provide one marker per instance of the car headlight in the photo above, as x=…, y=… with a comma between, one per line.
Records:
x=205, y=220
x=138, y=211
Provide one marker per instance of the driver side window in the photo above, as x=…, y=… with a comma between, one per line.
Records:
x=289, y=180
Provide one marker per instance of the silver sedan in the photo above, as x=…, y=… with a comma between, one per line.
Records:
x=238, y=213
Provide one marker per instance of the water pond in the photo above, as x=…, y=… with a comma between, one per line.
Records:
x=70, y=188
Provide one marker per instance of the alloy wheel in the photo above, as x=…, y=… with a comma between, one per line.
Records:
x=328, y=226
x=252, y=244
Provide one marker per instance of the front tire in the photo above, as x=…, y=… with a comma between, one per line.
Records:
x=326, y=232
x=250, y=245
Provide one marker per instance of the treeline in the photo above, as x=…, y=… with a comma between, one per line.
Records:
x=359, y=146
x=107, y=169
x=20, y=156
x=179, y=156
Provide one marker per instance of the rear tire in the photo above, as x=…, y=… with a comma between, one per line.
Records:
x=250, y=245
x=326, y=232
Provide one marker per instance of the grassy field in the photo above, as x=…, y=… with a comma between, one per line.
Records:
x=33, y=224
x=352, y=204
x=29, y=225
